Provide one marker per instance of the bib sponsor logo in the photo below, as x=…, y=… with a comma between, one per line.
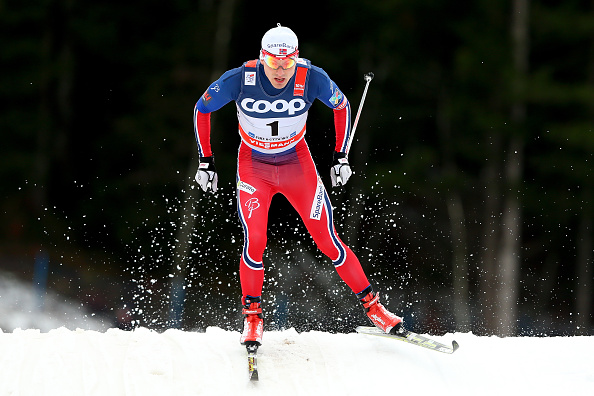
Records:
x=243, y=186
x=318, y=202
x=270, y=143
x=299, y=89
x=273, y=145
x=250, y=78
x=278, y=106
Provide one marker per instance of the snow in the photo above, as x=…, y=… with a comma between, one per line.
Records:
x=95, y=361
x=143, y=362
x=23, y=306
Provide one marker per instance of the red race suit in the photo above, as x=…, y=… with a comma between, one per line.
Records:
x=274, y=158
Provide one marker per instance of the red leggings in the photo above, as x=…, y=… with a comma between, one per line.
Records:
x=293, y=174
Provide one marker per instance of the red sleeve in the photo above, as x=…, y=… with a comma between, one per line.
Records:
x=342, y=128
x=202, y=132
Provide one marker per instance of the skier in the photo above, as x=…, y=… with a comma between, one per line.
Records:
x=273, y=95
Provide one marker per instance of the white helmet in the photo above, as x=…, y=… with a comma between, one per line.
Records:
x=280, y=41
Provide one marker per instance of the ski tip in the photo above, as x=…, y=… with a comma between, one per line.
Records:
x=455, y=346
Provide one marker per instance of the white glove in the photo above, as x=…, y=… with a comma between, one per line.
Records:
x=206, y=176
x=341, y=170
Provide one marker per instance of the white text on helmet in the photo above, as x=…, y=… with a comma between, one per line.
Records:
x=282, y=45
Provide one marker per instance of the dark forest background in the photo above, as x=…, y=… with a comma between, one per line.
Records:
x=471, y=203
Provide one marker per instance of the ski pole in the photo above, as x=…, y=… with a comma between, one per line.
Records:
x=368, y=77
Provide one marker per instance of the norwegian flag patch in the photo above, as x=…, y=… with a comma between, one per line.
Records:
x=250, y=78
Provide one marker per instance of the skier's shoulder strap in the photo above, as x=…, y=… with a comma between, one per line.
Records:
x=251, y=64
x=301, y=76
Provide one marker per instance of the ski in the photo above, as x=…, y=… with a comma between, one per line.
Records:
x=252, y=355
x=411, y=338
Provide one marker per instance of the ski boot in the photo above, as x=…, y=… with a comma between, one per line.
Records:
x=379, y=315
x=253, y=322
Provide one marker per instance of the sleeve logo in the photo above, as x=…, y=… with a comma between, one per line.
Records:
x=336, y=98
x=206, y=98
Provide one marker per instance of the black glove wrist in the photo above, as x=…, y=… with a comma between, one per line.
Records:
x=337, y=157
x=209, y=161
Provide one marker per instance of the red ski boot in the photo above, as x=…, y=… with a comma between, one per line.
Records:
x=253, y=323
x=380, y=316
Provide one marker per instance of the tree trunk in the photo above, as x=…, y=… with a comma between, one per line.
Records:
x=488, y=274
x=509, y=262
x=455, y=206
x=512, y=217
x=190, y=211
x=459, y=262
x=585, y=245
x=584, y=268
x=56, y=97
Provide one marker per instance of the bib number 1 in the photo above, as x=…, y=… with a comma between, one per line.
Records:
x=274, y=128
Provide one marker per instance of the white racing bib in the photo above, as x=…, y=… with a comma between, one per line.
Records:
x=272, y=124
x=271, y=135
